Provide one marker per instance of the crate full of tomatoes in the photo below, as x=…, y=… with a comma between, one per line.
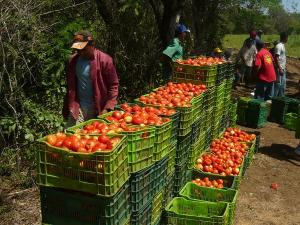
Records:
x=177, y=96
x=200, y=70
x=91, y=164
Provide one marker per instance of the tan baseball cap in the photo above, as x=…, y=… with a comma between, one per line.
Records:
x=81, y=39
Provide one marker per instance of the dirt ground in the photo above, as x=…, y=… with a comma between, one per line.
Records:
x=257, y=204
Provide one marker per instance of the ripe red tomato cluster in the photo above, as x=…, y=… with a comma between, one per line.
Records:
x=97, y=127
x=202, y=61
x=162, y=111
x=237, y=134
x=209, y=183
x=137, y=118
x=225, y=157
x=174, y=95
x=83, y=144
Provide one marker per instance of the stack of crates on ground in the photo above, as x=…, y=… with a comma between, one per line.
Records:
x=92, y=188
x=257, y=113
x=242, y=108
x=290, y=121
x=281, y=106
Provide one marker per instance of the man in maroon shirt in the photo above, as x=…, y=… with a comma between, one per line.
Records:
x=265, y=73
x=92, y=81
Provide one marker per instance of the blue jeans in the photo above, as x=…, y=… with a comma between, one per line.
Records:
x=263, y=90
x=280, y=85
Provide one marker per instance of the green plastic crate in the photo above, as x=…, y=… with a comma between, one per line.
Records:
x=290, y=121
x=142, y=186
x=60, y=206
x=157, y=206
x=99, y=173
x=183, y=73
x=162, y=141
x=181, y=211
x=228, y=181
x=171, y=161
x=198, y=107
x=249, y=156
x=168, y=191
x=257, y=113
x=193, y=191
x=242, y=108
x=196, y=149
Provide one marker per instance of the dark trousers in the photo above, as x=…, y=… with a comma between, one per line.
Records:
x=264, y=90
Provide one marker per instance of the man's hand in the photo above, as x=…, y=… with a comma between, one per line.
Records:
x=281, y=71
x=104, y=111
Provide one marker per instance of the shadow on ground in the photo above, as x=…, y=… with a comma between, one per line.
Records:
x=281, y=152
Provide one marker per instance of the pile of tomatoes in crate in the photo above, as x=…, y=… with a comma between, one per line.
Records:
x=173, y=95
x=209, y=183
x=226, y=154
x=83, y=144
x=202, y=61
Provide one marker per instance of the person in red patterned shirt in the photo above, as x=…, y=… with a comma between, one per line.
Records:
x=265, y=72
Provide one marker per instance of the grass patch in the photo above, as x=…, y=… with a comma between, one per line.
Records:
x=236, y=41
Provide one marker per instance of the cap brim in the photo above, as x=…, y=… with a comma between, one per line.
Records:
x=79, y=45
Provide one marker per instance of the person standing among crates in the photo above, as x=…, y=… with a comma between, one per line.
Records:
x=264, y=72
x=280, y=62
x=174, y=51
x=246, y=58
x=92, y=81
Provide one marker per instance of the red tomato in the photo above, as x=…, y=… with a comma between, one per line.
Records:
x=117, y=114
x=103, y=139
x=51, y=139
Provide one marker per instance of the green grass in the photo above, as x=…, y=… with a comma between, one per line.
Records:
x=236, y=41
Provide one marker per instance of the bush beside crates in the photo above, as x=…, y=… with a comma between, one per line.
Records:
x=193, y=191
x=143, y=216
x=193, y=212
x=100, y=173
x=60, y=206
x=142, y=186
x=157, y=206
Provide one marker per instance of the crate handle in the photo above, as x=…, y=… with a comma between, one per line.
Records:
x=145, y=135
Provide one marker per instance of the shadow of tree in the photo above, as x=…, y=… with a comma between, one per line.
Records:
x=281, y=152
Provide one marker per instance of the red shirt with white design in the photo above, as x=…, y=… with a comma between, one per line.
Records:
x=264, y=61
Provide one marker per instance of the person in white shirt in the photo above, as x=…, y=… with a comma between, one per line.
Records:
x=246, y=56
x=280, y=62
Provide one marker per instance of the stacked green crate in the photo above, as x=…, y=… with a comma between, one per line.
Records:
x=100, y=173
x=290, y=121
x=172, y=158
x=157, y=207
x=196, y=149
x=278, y=109
x=242, y=108
x=77, y=208
x=257, y=113
x=184, y=73
x=194, y=212
x=192, y=191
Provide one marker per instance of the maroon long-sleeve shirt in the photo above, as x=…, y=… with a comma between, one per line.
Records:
x=104, y=79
